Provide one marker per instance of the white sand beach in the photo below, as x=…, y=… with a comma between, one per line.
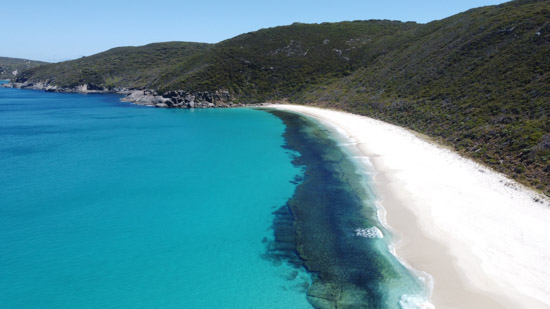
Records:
x=484, y=239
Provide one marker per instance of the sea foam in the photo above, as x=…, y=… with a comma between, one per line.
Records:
x=414, y=302
x=371, y=232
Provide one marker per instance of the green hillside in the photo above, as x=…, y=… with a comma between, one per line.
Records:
x=131, y=67
x=280, y=62
x=478, y=81
x=10, y=68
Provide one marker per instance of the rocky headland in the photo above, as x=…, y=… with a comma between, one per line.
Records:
x=146, y=97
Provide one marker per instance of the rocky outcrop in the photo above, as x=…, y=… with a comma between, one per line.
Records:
x=85, y=88
x=183, y=99
x=147, y=97
x=203, y=99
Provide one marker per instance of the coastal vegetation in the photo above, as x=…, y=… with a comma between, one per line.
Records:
x=132, y=67
x=11, y=67
x=478, y=81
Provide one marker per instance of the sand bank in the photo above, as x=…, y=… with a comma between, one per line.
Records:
x=483, y=238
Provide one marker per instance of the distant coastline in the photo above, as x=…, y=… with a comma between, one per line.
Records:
x=458, y=212
x=146, y=97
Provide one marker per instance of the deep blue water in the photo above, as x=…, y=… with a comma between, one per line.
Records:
x=104, y=204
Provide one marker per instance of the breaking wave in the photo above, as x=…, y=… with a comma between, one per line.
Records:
x=371, y=232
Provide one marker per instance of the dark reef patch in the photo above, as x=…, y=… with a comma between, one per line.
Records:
x=315, y=229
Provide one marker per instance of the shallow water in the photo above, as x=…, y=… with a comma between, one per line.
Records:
x=338, y=234
x=111, y=205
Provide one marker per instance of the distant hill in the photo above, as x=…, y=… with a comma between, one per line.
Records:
x=131, y=67
x=11, y=67
x=478, y=81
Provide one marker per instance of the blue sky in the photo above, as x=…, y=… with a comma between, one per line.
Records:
x=59, y=30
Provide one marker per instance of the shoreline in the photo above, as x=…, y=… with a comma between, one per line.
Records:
x=327, y=216
x=470, y=222
x=146, y=97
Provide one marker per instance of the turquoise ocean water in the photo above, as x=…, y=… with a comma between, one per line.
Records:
x=110, y=205
x=104, y=204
